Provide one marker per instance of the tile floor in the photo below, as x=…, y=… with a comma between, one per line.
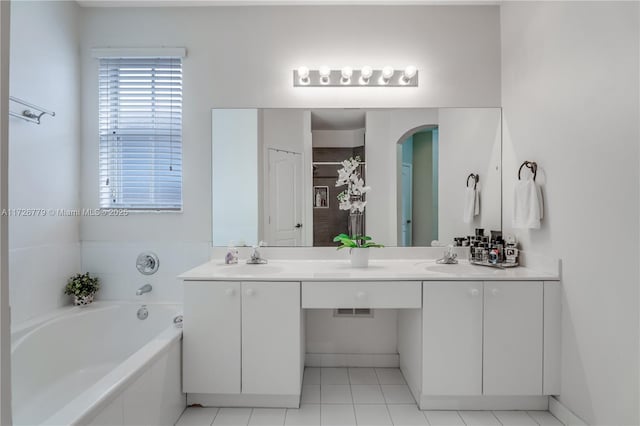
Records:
x=358, y=397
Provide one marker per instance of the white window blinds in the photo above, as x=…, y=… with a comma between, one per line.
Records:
x=141, y=133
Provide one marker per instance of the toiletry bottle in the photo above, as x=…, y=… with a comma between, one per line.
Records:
x=232, y=254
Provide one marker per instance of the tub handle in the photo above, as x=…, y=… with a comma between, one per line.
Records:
x=177, y=321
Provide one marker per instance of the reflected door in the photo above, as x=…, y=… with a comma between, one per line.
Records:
x=407, y=204
x=285, y=198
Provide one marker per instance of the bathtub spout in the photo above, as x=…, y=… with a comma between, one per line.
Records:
x=144, y=289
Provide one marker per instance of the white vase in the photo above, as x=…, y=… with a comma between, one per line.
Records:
x=83, y=300
x=359, y=257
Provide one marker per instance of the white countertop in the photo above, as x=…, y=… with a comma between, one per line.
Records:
x=378, y=270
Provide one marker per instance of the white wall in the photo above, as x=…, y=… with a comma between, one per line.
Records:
x=338, y=138
x=570, y=97
x=44, y=160
x=243, y=57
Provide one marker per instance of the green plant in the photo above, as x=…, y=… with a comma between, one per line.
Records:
x=356, y=241
x=82, y=285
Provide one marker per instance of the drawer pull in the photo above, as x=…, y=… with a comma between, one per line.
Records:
x=474, y=292
x=229, y=292
x=250, y=292
x=361, y=295
x=495, y=291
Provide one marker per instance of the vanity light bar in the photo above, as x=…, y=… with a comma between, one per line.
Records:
x=349, y=77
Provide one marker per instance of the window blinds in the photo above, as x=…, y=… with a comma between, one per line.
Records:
x=140, y=121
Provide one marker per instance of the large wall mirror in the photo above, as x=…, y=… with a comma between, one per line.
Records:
x=274, y=174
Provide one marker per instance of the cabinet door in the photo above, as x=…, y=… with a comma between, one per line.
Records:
x=452, y=338
x=211, y=337
x=512, y=338
x=271, y=338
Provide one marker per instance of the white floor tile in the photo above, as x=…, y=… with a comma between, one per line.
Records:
x=306, y=415
x=311, y=376
x=515, y=418
x=479, y=418
x=363, y=376
x=334, y=376
x=232, y=417
x=367, y=394
x=544, y=418
x=406, y=415
x=267, y=417
x=197, y=416
x=390, y=376
x=337, y=415
x=443, y=418
x=372, y=415
x=310, y=394
x=335, y=394
x=397, y=394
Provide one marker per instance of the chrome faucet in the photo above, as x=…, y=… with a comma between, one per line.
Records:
x=144, y=289
x=449, y=257
x=255, y=258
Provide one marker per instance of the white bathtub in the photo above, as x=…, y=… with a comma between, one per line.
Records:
x=98, y=365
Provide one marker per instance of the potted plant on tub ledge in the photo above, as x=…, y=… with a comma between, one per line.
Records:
x=352, y=199
x=83, y=288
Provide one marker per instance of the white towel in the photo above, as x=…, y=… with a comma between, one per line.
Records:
x=527, y=204
x=471, y=205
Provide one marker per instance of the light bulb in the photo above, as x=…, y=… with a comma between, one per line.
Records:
x=409, y=73
x=387, y=73
x=365, y=74
x=347, y=72
x=324, y=72
x=303, y=73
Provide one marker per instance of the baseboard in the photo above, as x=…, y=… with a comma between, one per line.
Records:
x=566, y=416
x=484, y=402
x=243, y=400
x=352, y=360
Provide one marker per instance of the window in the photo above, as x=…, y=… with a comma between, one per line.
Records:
x=141, y=133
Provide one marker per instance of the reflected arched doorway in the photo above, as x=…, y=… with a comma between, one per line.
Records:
x=417, y=181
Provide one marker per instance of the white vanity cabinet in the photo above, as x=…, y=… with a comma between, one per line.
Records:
x=483, y=338
x=242, y=338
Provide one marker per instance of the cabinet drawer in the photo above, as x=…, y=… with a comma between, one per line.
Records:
x=384, y=294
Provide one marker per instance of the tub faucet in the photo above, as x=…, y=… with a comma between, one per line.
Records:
x=144, y=289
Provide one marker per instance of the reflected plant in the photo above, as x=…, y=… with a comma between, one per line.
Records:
x=351, y=198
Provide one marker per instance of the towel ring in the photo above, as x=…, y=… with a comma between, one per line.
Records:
x=532, y=165
x=475, y=177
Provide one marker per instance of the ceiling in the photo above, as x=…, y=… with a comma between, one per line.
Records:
x=337, y=119
x=191, y=3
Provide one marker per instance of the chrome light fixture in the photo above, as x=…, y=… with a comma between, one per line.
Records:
x=349, y=77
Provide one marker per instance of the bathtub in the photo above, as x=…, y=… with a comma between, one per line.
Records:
x=98, y=365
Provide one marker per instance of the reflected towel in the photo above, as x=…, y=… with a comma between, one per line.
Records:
x=527, y=204
x=471, y=205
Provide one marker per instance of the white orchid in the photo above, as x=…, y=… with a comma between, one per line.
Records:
x=350, y=176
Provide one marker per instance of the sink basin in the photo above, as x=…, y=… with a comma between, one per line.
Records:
x=252, y=269
x=460, y=269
